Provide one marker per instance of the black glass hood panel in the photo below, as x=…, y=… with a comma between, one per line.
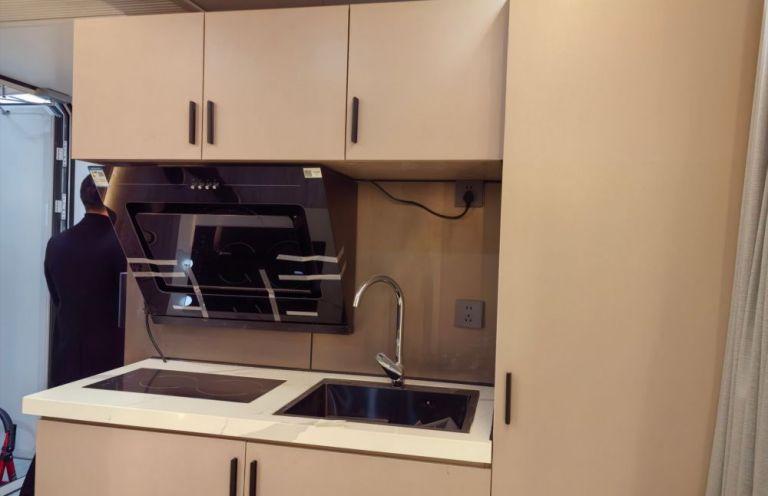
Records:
x=265, y=246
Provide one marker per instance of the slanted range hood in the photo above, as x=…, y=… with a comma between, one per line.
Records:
x=263, y=246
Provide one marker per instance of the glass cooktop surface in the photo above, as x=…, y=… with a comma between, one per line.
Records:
x=189, y=385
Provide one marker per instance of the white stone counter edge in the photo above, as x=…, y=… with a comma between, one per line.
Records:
x=256, y=420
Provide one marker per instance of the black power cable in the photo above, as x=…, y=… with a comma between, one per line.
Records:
x=468, y=198
x=151, y=336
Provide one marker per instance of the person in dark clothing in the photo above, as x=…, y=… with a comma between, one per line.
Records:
x=82, y=269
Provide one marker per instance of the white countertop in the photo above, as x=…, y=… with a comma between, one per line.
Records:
x=256, y=420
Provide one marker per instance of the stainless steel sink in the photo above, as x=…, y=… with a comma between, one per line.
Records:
x=412, y=406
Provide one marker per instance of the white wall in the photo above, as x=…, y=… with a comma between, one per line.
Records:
x=26, y=170
x=38, y=53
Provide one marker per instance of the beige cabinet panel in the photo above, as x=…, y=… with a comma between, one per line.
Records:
x=277, y=80
x=429, y=77
x=289, y=471
x=87, y=460
x=134, y=79
x=623, y=165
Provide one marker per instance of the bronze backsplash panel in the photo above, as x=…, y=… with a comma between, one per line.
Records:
x=434, y=260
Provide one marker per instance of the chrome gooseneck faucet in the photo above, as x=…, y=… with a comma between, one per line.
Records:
x=394, y=369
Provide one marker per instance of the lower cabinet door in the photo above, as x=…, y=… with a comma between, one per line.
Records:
x=87, y=460
x=273, y=470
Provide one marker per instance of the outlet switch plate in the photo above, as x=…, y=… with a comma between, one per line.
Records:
x=476, y=187
x=469, y=314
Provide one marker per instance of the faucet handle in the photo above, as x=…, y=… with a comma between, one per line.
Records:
x=393, y=370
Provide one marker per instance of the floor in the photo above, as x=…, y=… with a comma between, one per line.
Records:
x=14, y=487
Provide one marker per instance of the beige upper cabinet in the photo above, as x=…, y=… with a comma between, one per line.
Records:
x=276, y=81
x=291, y=471
x=428, y=77
x=137, y=88
x=416, y=81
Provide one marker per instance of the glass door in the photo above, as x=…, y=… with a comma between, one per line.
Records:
x=33, y=178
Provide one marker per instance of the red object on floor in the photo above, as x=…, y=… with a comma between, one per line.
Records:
x=6, y=452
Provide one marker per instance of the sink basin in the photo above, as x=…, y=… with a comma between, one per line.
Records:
x=445, y=409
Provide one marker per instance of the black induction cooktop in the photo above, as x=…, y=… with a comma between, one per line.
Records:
x=189, y=385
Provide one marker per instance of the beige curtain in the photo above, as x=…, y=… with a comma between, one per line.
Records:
x=739, y=463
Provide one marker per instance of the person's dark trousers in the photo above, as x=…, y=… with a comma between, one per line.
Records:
x=28, y=488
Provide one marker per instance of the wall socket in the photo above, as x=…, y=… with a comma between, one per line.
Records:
x=476, y=187
x=469, y=314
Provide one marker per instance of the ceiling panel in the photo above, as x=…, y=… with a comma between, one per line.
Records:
x=24, y=10
x=213, y=5
x=27, y=10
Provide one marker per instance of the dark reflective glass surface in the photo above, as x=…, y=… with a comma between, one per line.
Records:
x=189, y=385
x=412, y=406
x=233, y=248
x=240, y=245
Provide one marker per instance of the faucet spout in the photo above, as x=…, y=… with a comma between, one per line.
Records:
x=393, y=369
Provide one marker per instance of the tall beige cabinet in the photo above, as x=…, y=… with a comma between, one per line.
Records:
x=626, y=133
x=137, y=87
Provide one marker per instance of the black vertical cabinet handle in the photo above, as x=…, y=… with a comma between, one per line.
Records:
x=192, y=122
x=355, y=117
x=252, y=481
x=210, y=122
x=507, y=399
x=233, y=477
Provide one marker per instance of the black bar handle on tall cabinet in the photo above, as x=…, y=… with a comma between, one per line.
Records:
x=252, y=480
x=233, y=477
x=508, y=399
x=192, y=122
x=209, y=115
x=355, y=118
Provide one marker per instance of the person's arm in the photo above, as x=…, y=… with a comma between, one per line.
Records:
x=48, y=277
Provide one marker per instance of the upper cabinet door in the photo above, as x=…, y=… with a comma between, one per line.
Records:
x=426, y=80
x=275, y=82
x=138, y=84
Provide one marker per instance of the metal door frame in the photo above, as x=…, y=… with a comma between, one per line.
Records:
x=62, y=202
